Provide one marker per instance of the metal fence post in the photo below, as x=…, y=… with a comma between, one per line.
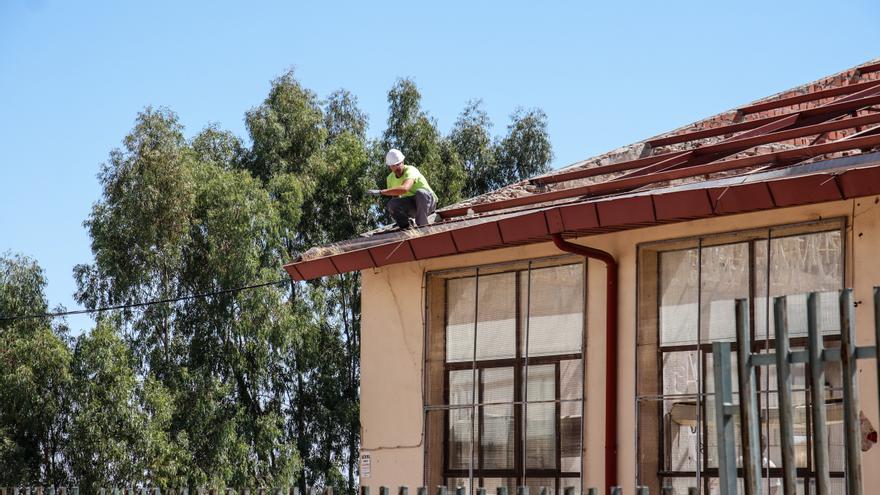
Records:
x=748, y=402
x=848, y=367
x=724, y=423
x=783, y=390
x=817, y=396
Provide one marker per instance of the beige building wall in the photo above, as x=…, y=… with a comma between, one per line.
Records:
x=393, y=311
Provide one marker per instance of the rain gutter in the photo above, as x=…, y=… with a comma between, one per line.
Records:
x=610, y=350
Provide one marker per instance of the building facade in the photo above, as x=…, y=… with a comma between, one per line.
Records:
x=486, y=357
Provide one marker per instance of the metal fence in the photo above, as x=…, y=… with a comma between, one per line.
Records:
x=814, y=358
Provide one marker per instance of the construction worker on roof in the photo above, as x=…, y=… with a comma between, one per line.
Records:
x=412, y=197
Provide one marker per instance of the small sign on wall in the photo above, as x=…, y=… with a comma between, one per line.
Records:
x=365, y=465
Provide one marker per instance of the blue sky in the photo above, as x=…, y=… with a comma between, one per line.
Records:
x=73, y=75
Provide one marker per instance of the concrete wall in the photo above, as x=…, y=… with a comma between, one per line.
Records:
x=393, y=325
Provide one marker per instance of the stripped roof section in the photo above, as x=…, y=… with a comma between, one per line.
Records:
x=762, y=155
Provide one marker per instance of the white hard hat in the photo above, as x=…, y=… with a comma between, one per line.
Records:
x=393, y=157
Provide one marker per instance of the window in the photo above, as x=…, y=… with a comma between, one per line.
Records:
x=687, y=291
x=504, y=381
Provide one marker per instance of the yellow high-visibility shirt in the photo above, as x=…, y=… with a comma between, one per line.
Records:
x=409, y=172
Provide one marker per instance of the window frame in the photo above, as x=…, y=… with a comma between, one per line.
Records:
x=763, y=343
x=519, y=364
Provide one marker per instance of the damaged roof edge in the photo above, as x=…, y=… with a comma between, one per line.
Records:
x=830, y=180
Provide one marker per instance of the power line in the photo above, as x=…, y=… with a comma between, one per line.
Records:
x=142, y=304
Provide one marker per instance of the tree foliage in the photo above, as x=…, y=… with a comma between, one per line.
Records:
x=254, y=387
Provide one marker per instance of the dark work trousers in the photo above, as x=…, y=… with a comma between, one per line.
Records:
x=418, y=206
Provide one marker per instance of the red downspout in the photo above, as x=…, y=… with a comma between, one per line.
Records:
x=610, y=351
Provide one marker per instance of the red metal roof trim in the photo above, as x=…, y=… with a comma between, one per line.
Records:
x=805, y=190
x=741, y=198
x=389, y=254
x=617, y=214
x=626, y=211
x=524, y=227
x=860, y=182
x=477, y=237
x=555, y=224
x=683, y=205
x=579, y=217
x=293, y=272
x=433, y=246
x=353, y=261
x=316, y=268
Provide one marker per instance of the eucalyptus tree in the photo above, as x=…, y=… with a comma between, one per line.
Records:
x=525, y=151
x=34, y=378
x=472, y=139
x=286, y=129
x=342, y=114
x=174, y=220
x=120, y=424
x=140, y=229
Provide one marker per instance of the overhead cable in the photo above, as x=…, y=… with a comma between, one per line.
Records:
x=141, y=304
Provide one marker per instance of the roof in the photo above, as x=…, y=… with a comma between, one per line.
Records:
x=814, y=143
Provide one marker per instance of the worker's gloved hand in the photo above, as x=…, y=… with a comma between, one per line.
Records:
x=374, y=192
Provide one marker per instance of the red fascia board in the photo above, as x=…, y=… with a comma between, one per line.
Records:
x=290, y=268
x=389, y=254
x=353, y=261
x=804, y=190
x=815, y=95
x=433, y=246
x=682, y=205
x=316, y=268
x=860, y=182
x=523, y=227
x=741, y=198
x=580, y=216
x=555, y=223
x=626, y=211
x=477, y=237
